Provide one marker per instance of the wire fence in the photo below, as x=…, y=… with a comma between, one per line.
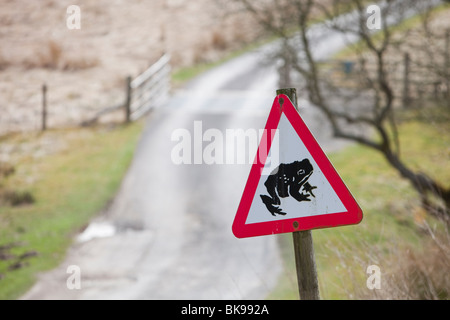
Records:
x=413, y=81
x=150, y=89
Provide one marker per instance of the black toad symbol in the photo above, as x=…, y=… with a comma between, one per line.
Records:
x=288, y=179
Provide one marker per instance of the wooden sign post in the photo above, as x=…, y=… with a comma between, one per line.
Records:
x=44, y=107
x=305, y=263
x=293, y=187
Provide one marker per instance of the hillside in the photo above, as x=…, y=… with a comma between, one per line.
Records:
x=85, y=69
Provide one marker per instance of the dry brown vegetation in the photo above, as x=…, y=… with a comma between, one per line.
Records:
x=85, y=69
x=53, y=56
x=414, y=273
x=12, y=197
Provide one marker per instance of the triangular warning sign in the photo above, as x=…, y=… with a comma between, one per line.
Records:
x=292, y=185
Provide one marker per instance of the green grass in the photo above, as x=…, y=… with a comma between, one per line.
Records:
x=69, y=187
x=392, y=214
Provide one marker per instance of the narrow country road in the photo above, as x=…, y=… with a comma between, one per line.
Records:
x=167, y=235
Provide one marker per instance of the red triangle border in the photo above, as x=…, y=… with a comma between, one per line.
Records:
x=353, y=213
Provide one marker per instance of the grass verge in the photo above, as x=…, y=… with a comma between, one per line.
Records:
x=72, y=174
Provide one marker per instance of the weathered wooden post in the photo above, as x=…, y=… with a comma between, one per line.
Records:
x=262, y=212
x=128, y=99
x=406, y=99
x=44, y=107
x=305, y=263
x=447, y=66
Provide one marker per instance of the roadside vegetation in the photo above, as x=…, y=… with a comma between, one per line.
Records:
x=69, y=175
x=409, y=244
x=411, y=249
x=53, y=183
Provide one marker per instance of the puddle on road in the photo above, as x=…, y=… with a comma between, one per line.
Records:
x=97, y=230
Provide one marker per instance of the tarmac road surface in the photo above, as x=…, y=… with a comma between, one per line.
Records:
x=167, y=235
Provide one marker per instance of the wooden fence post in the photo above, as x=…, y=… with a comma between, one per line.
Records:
x=44, y=107
x=406, y=99
x=447, y=66
x=305, y=263
x=128, y=99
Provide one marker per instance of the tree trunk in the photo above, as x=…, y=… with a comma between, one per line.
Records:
x=425, y=186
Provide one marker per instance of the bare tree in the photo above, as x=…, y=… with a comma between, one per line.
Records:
x=374, y=96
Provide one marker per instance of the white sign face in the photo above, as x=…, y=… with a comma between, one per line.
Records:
x=298, y=189
x=323, y=199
